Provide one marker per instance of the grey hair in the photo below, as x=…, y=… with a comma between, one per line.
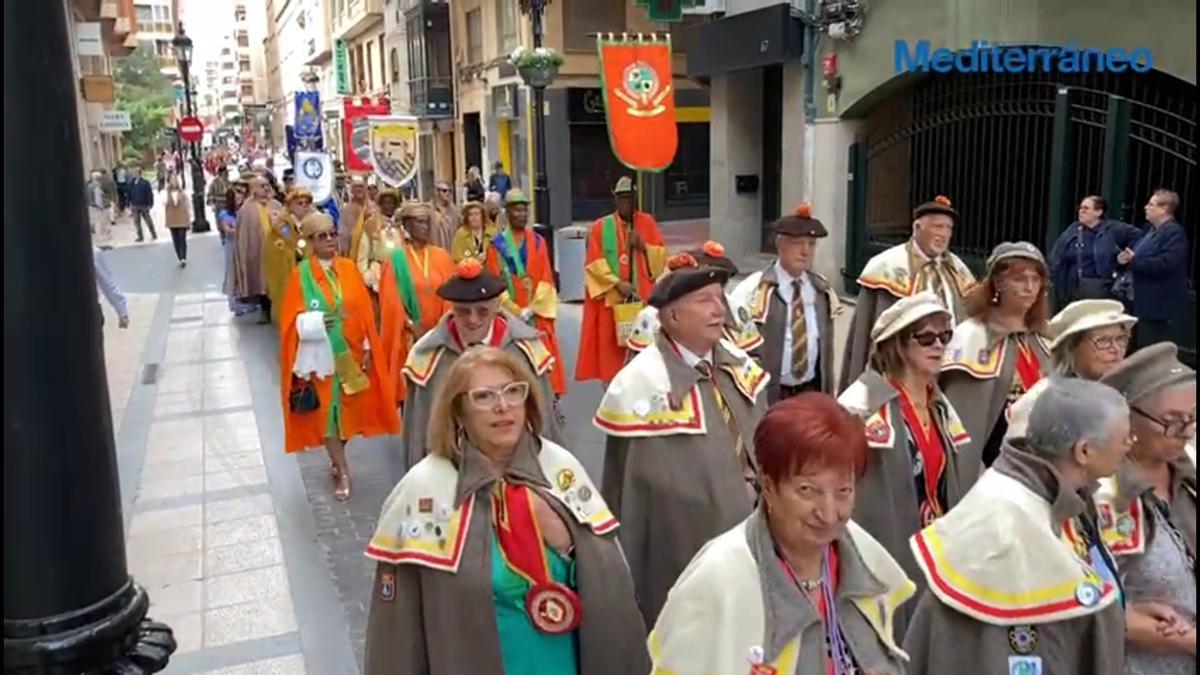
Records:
x=1063, y=355
x=1072, y=410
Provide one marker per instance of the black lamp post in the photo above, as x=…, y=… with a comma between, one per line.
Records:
x=69, y=604
x=183, y=54
x=541, y=188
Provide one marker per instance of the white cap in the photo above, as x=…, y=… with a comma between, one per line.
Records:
x=1084, y=315
x=905, y=312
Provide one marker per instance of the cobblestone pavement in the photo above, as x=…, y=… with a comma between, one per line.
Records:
x=243, y=548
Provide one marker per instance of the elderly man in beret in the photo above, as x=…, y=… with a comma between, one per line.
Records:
x=924, y=262
x=1148, y=511
x=680, y=417
x=1019, y=578
x=475, y=318
x=794, y=309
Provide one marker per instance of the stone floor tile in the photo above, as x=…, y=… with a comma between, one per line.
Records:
x=193, y=465
x=164, y=570
x=239, y=587
x=188, y=629
x=238, y=508
x=163, y=488
x=235, y=460
x=165, y=519
x=224, y=480
x=241, y=557
x=179, y=598
x=156, y=455
x=249, y=621
x=286, y=665
x=240, y=531
x=166, y=543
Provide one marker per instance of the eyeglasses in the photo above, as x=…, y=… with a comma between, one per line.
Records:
x=513, y=394
x=324, y=236
x=927, y=339
x=1183, y=427
x=1110, y=342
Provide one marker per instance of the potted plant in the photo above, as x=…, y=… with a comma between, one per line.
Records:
x=536, y=66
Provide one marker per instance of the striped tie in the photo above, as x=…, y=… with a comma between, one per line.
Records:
x=799, y=334
x=706, y=371
x=933, y=279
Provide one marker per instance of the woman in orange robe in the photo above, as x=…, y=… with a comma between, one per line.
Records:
x=327, y=328
x=429, y=266
x=531, y=294
x=625, y=255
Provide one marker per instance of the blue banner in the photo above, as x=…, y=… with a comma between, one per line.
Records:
x=308, y=115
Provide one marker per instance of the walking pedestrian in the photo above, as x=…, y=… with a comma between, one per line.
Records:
x=108, y=287
x=216, y=194
x=445, y=215
x=178, y=216
x=227, y=222
x=141, y=201
x=499, y=182
x=161, y=171
x=253, y=221
x=534, y=545
x=474, y=185
x=121, y=178
x=100, y=205
x=1158, y=267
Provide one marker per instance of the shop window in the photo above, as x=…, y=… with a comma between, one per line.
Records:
x=686, y=180
x=474, y=36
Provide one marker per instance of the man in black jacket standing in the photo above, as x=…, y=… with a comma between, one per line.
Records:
x=1159, y=265
x=141, y=200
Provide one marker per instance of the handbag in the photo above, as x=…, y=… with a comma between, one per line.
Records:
x=1122, y=288
x=303, y=396
x=625, y=315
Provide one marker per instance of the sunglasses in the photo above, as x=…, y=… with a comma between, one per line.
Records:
x=487, y=398
x=1183, y=427
x=926, y=339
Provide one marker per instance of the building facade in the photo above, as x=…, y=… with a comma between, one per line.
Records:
x=158, y=21
x=1013, y=151
x=98, y=32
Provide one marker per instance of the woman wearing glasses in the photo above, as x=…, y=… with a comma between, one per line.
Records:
x=1147, y=513
x=496, y=553
x=912, y=430
x=334, y=386
x=1090, y=339
x=998, y=353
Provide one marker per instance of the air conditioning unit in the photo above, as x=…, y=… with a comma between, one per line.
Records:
x=706, y=7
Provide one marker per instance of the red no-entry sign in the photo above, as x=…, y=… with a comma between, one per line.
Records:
x=190, y=129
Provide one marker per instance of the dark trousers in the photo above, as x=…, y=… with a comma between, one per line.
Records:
x=1151, y=331
x=140, y=212
x=179, y=239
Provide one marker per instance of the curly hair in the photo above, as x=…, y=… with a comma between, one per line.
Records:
x=978, y=301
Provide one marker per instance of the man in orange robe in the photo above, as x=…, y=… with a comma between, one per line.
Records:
x=625, y=255
x=519, y=256
x=328, y=346
x=429, y=267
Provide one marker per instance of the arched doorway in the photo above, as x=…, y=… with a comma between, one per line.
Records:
x=1015, y=153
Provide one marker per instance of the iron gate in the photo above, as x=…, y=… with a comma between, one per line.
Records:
x=1015, y=153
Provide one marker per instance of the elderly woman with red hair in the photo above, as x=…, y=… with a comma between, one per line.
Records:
x=796, y=587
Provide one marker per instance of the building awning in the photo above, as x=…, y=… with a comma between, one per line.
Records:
x=755, y=39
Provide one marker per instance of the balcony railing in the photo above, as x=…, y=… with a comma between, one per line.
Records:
x=432, y=96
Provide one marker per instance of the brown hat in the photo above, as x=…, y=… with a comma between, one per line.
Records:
x=1149, y=370
x=686, y=275
x=939, y=205
x=471, y=283
x=414, y=209
x=712, y=254
x=315, y=223
x=800, y=223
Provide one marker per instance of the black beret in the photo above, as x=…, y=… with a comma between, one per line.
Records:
x=800, y=223
x=938, y=205
x=683, y=280
x=472, y=285
x=720, y=262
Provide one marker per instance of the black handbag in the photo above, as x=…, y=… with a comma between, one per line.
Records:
x=303, y=397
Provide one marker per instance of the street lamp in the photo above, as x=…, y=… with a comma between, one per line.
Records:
x=183, y=54
x=541, y=188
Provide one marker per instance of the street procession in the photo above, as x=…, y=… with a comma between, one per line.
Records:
x=662, y=356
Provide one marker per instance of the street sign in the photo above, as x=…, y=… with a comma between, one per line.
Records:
x=115, y=122
x=190, y=129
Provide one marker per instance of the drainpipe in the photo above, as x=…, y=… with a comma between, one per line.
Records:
x=810, y=17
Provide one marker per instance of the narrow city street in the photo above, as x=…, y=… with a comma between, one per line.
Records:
x=244, y=550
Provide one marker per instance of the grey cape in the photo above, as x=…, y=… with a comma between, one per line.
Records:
x=431, y=357
x=428, y=622
x=772, y=319
x=979, y=390
x=674, y=492
x=943, y=640
x=886, y=497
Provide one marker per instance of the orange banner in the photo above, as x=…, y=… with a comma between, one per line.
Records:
x=639, y=100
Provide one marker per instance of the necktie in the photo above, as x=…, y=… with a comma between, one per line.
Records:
x=706, y=371
x=933, y=278
x=799, y=333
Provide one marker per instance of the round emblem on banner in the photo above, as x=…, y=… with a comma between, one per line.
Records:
x=1023, y=639
x=640, y=80
x=313, y=168
x=553, y=608
x=1087, y=593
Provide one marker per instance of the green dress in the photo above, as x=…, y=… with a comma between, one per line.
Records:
x=523, y=648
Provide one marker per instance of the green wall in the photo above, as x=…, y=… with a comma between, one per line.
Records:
x=1167, y=27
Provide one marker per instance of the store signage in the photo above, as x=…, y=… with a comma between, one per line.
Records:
x=115, y=122
x=341, y=66
x=87, y=39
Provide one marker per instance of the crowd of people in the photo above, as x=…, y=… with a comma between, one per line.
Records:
x=985, y=486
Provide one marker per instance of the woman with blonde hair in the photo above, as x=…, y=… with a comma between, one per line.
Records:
x=178, y=216
x=999, y=352
x=498, y=538
x=473, y=234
